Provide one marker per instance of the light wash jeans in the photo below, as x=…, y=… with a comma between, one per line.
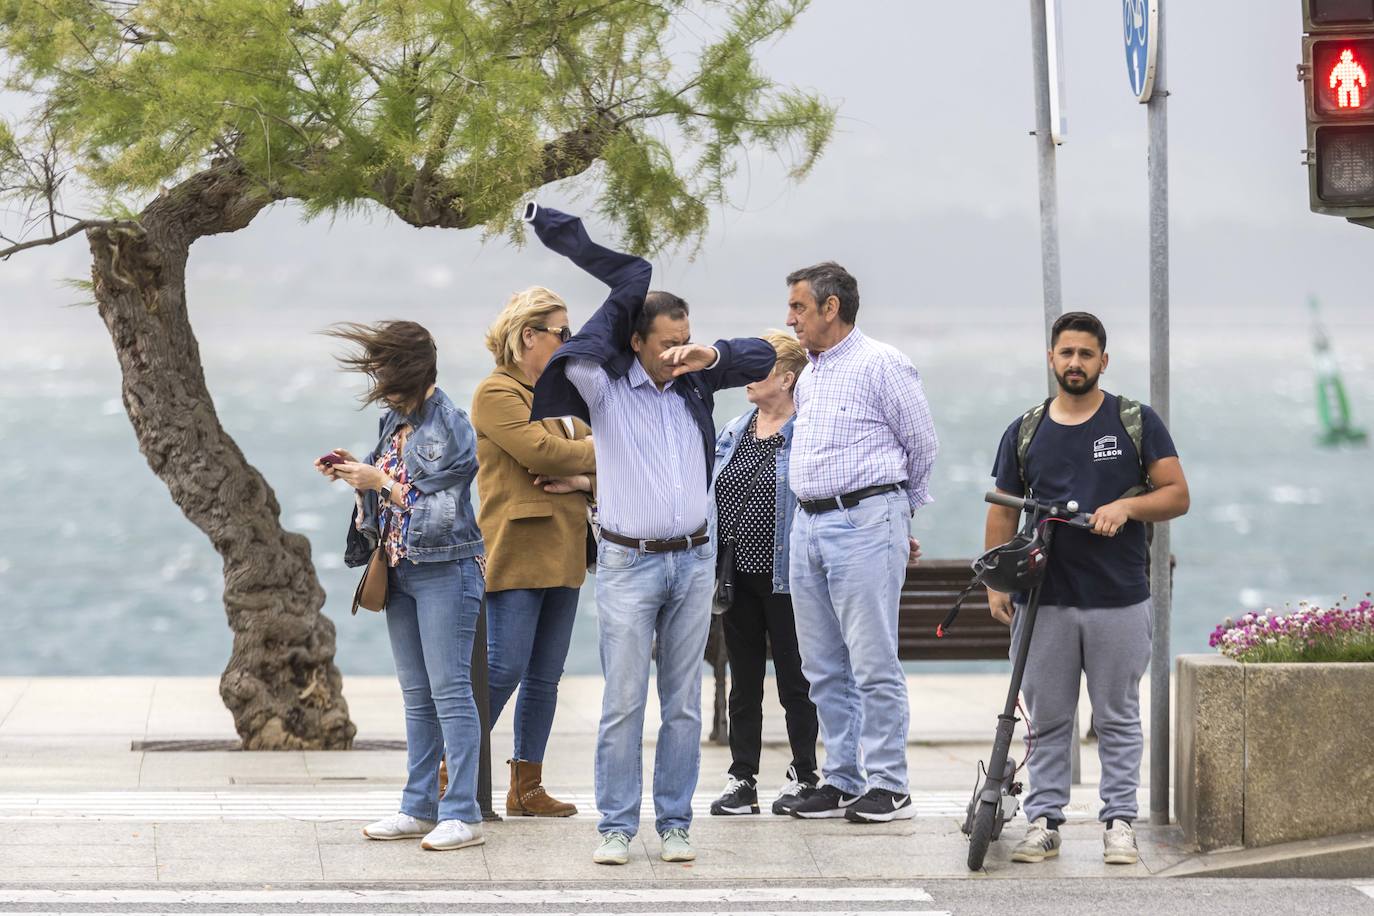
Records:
x=528, y=633
x=431, y=616
x=659, y=604
x=847, y=570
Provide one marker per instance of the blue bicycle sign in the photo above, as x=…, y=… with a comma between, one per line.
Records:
x=1140, y=22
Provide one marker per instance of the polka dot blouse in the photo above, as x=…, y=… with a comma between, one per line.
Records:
x=754, y=535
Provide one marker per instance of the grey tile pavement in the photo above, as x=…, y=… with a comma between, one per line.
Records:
x=729, y=850
x=74, y=798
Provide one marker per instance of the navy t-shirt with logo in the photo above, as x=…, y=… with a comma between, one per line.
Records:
x=1094, y=463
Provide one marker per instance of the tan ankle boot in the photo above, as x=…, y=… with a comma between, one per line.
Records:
x=527, y=796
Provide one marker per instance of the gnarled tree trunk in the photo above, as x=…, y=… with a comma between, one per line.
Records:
x=281, y=684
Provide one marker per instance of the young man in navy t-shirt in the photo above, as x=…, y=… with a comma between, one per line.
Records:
x=1095, y=614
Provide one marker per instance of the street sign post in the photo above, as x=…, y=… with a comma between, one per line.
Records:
x=1143, y=29
x=1044, y=133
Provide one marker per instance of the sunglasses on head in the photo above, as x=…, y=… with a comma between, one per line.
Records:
x=564, y=333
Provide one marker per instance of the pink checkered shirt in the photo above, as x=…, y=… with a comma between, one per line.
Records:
x=862, y=421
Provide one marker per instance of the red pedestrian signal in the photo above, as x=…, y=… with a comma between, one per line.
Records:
x=1339, y=83
x=1347, y=79
x=1337, y=59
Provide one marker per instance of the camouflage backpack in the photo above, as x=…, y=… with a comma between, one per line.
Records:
x=1131, y=420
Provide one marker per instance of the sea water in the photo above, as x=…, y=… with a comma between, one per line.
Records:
x=100, y=573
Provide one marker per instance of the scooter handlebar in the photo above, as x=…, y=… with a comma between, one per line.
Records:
x=1005, y=499
x=1075, y=518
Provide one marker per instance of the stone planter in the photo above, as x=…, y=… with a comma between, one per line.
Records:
x=1270, y=754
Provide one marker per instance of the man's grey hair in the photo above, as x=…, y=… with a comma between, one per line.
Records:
x=830, y=279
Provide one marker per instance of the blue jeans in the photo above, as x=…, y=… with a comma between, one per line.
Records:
x=847, y=570
x=431, y=616
x=528, y=632
x=640, y=596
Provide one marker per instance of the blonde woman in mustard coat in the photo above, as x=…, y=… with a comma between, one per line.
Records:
x=535, y=482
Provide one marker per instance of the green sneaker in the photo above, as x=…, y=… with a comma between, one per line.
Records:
x=614, y=850
x=677, y=847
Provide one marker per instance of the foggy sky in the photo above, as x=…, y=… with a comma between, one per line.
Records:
x=927, y=193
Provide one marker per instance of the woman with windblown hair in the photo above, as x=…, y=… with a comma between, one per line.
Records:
x=413, y=499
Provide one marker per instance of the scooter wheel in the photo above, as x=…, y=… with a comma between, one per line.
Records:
x=983, y=820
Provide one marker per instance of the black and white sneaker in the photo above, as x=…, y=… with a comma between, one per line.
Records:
x=741, y=796
x=827, y=801
x=792, y=792
x=879, y=806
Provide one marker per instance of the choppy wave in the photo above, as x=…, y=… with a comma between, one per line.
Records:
x=107, y=576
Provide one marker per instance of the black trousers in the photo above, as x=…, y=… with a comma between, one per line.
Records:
x=758, y=618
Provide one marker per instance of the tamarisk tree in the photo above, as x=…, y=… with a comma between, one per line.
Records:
x=171, y=120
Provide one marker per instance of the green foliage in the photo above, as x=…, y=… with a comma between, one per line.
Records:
x=1354, y=650
x=10, y=157
x=445, y=112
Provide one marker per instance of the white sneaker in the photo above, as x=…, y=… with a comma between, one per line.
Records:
x=1039, y=843
x=398, y=827
x=453, y=835
x=614, y=850
x=677, y=846
x=1118, y=844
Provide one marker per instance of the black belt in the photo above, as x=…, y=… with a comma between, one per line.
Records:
x=695, y=539
x=848, y=500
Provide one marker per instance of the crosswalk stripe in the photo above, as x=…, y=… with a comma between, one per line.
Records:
x=469, y=912
x=1366, y=889
x=362, y=804
x=474, y=897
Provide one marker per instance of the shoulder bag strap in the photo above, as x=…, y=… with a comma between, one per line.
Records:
x=749, y=488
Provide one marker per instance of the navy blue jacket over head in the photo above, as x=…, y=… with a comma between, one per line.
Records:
x=605, y=338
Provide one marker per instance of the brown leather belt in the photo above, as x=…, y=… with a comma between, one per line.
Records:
x=848, y=500
x=695, y=539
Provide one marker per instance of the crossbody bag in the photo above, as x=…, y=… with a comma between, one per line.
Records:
x=724, y=595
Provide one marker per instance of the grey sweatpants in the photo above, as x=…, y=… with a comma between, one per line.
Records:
x=1112, y=647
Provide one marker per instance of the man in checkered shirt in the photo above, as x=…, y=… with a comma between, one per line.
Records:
x=861, y=457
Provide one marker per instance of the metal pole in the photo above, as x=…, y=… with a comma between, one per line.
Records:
x=1161, y=585
x=481, y=691
x=1049, y=193
x=1049, y=227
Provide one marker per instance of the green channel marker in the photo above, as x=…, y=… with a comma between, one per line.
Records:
x=1333, y=406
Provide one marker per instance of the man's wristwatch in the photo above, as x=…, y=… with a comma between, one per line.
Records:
x=385, y=490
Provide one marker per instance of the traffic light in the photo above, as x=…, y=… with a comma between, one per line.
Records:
x=1337, y=72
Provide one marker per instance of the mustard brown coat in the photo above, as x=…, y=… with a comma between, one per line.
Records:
x=533, y=539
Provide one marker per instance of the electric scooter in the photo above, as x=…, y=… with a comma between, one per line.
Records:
x=1019, y=565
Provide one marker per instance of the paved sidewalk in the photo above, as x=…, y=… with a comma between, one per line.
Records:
x=81, y=806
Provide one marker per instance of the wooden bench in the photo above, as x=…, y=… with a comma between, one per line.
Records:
x=929, y=592
x=927, y=595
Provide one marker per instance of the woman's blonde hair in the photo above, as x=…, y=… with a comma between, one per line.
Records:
x=527, y=308
x=791, y=355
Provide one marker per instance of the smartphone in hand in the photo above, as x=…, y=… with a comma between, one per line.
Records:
x=332, y=459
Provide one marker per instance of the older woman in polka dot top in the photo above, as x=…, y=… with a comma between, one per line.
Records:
x=754, y=507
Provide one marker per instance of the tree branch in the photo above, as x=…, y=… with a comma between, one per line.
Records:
x=566, y=155
x=79, y=226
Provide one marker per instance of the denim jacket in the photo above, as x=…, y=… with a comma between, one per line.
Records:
x=440, y=457
x=786, y=503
